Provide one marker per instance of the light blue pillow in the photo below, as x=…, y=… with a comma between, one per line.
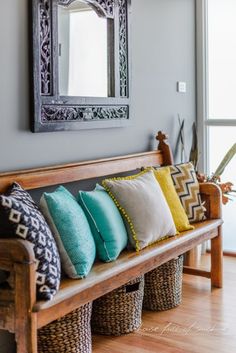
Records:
x=105, y=221
x=71, y=231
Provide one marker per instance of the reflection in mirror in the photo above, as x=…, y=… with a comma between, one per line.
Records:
x=83, y=51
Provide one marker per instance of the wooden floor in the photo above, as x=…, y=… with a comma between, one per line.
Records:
x=205, y=321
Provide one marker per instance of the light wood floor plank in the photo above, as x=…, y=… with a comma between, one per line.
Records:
x=205, y=321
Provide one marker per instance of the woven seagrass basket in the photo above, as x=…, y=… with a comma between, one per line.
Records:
x=70, y=334
x=119, y=311
x=163, y=286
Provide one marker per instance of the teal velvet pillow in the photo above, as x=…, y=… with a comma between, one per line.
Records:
x=105, y=221
x=71, y=230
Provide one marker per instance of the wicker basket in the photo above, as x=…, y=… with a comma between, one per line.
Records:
x=70, y=334
x=163, y=286
x=119, y=311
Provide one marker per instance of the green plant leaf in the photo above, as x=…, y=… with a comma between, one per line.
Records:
x=194, y=153
x=225, y=161
x=182, y=139
x=179, y=152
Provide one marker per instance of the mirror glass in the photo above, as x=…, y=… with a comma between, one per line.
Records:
x=83, y=51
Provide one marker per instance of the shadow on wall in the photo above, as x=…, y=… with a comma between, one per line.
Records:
x=7, y=343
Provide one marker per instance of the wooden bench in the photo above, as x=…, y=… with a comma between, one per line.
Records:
x=21, y=314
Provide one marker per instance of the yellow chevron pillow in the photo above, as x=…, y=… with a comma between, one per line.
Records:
x=187, y=187
x=180, y=218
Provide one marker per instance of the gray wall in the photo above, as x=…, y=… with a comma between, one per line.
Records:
x=163, y=52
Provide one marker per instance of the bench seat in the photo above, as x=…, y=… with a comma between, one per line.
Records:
x=105, y=277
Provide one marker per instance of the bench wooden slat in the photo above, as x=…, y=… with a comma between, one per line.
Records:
x=105, y=277
x=6, y=294
x=41, y=177
x=7, y=317
x=196, y=272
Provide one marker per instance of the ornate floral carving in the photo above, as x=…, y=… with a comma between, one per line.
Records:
x=106, y=5
x=65, y=2
x=45, y=46
x=45, y=12
x=82, y=113
x=123, y=48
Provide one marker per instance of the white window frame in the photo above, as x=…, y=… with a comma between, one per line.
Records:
x=202, y=89
x=203, y=121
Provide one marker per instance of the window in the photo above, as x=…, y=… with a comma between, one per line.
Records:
x=221, y=28
x=88, y=72
x=83, y=52
x=216, y=67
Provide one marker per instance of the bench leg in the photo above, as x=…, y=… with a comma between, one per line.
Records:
x=26, y=338
x=217, y=261
x=25, y=319
x=193, y=257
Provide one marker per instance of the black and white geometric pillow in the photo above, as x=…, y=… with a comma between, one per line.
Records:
x=21, y=217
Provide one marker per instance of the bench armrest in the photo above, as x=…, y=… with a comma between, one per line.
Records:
x=16, y=251
x=16, y=301
x=211, y=194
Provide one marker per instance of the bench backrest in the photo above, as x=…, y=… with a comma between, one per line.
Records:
x=41, y=177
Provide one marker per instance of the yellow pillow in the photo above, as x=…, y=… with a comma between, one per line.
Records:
x=180, y=218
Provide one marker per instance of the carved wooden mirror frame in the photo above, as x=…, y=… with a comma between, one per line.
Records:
x=53, y=112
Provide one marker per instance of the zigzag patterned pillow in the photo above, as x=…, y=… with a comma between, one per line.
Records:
x=187, y=187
